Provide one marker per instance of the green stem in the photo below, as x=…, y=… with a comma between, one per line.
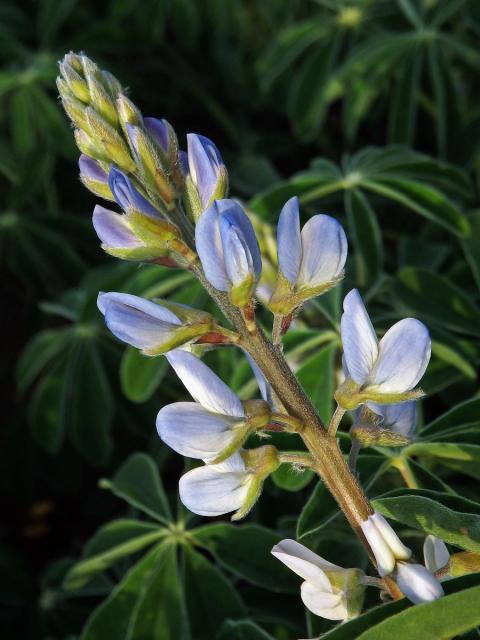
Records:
x=406, y=472
x=321, y=191
x=335, y=420
x=277, y=330
x=302, y=459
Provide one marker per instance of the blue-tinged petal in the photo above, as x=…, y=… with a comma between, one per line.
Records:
x=193, y=431
x=140, y=323
x=265, y=389
x=324, y=251
x=91, y=169
x=359, y=341
x=204, y=160
x=238, y=261
x=158, y=129
x=289, y=242
x=216, y=489
x=113, y=229
x=127, y=196
x=417, y=583
x=236, y=216
x=400, y=417
x=404, y=353
x=204, y=386
x=209, y=247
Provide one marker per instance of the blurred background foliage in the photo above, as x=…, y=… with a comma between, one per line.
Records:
x=367, y=110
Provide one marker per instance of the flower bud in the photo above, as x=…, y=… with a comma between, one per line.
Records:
x=88, y=147
x=369, y=436
x=207, y=178
x=152, y=327
x=329, y=591
x=384, y=543
x=128, y=113
x=435, y=553
x=417, y=583
x=463, y=563
x=107, y=138
x=154, y=168
x=75, y=82
x=229, y=251
x=94, y=177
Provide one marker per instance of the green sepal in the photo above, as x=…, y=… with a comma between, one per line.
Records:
x=350, y=395
x=286, y=298
x=349, y=581
x=138, y=253
x=462, y=563
x=260, y=462
x=152, y=231
x=179, y=337
x=241, y=294
x=369, y=435
x=98, y=187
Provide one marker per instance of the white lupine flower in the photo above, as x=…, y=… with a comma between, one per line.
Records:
x=435, y=553
x=216, y=489
x=329, y=591
x=209, y=426
x=417, y=583
x=386, y=546
x=400, y=417
x=314, y=256
x=389, y=367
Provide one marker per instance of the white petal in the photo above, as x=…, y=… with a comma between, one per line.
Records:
x=327, y=605
x=194, y=432
x=400, y=551
x=289, y=242
x=383, y=554
x=417, y=583
x=215, y=489
x=404, y=353
x=237, y=216
x=299, y=560
x=435, y=553
x=209, y=247
x=294, y=548
x=359, y=341
x=141, y=304
x=203, y=385
x=324, y=251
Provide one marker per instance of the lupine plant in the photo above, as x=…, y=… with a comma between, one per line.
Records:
x=171, y=207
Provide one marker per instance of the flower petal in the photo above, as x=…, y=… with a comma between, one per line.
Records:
x=417, y=583
x=113, y=229
x=302, y=566
x=383, y=554
x=238, y=261
x=400, y=417
x=204, y=386
x=215, y=489
x=359, y=341
x=400, y=551
x=404, y=353
x=324, y=251
x=127, y=196
x=289, y=241
x=297, y=550
x=158, y=129
x=193, y=431
x=237, y=217
x=435, y=553
x=326, y=605
x=265, y=388
x=91, y=169
x=209, y=247
x=138, y=322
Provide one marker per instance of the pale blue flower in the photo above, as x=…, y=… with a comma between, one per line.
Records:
x=207, y=427
x=227, y=245
x=159, y=130
x=316, y=255
x=141, y=323
x=392, y=366
x=127, y=196
x=206, y=167
x=114, y=230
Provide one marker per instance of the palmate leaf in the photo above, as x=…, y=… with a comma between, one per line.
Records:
x=393, y=173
